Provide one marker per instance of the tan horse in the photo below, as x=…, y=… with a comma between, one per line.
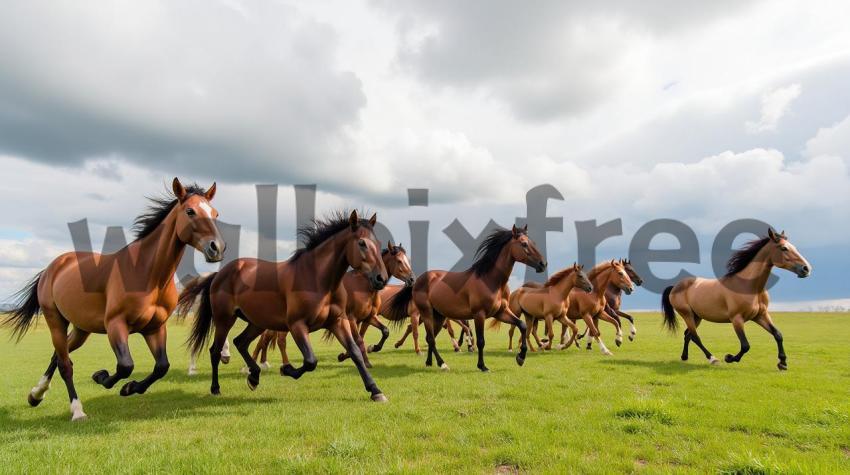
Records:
x=478, y=293
x=129, y=291
x=548, y=303
x=613, y=302
x=588, y=306
x=737, y=297
x=297, y=295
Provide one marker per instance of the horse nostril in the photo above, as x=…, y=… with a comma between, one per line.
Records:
x=213, y=246
x=806, y=269
x=380, y=279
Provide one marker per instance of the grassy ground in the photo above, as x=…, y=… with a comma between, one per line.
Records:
x=564, y=411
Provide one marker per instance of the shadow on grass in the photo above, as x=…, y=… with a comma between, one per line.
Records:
x=660, y=367
x=108, y=411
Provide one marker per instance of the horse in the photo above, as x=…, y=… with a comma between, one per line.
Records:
x=737, y=297
x=549, y=302
x=129, y=291
x=362, y=303
x=613, y=301
x=298, y=295
x=588, y=306
x=478, y=293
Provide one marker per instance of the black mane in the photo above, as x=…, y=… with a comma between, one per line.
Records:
x=322, y=229
x=155, y=214
x=742, y=257
x=488, y=251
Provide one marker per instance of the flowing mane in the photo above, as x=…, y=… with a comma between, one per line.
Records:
x=559, y=276
x=320, y=230
x=155, y=214
x=599, y=268
x=488, y=251
x=742, y=257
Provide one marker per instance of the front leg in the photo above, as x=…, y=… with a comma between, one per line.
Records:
x=479, y=338
x=767, y=323
x=116, y=331
x=156, y=343
x=738, y=325
x=505, y=315
x=385, y=333
x=342, y=331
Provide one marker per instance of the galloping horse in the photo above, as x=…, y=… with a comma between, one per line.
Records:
x=479, y=292
x=547, y=303
x=613, y=301
x=297, y=295
x=588, y=306
x=362, y=303
x=737, y=297
x=129, y=291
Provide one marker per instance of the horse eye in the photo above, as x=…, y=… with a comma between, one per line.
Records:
x=524, y=244
x=362, y=243
x=784, y=249
x=190, y=212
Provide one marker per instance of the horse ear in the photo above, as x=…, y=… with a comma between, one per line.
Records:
x=390, y=245
x=353, y=220
x=210, y=193
x=515, y=231
x=178, y=189
x=525, y=228
x=782, y=235
x=373, y=219
x=772, y=235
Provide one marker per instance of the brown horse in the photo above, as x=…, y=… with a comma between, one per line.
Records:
x=129, y=291
x=588, y=306
x=362, y=302
x=297, y=295
x=478, y=293
x=737, y=297
x=548, y=303
x=613, y=301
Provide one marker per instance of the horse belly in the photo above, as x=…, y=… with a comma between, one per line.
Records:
x=707, y=298
x=85, y=309
x=448, y=302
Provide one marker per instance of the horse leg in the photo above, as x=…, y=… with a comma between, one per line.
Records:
x=550, y=332
x=156, y=343
x=242, y=342
x=281, y=345
x=692, y=322
x=511, y=339
x=465, y=330
x=565, y=323
x=117, y=332
x=531, y=322
x=631, y=320
x=594, y=333
x=353, y=327
x=767, y=323
x=75, y=340
x=738, y=325
x=590, y=340
x=506, y=316
x=385, y=333
x=219, y=339
x=301, y=336
x=687, y=338
x=193, y=368
x=225, y=352
x=613, y=320
x=479, y=338
x=59, y=336
x=342, y=331
x=451, y=331
x=407, y=331
x=263, y=345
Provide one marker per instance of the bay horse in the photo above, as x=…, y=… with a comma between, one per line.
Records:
x=477, y=293
x=613, y=302
x=738, y=297
x=298, y=295
x=129, y=291
x=548, y=303
x=363, y=303
x=588, y=306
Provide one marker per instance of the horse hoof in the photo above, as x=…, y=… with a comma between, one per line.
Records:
x=244, y=370
x=782, y=366
x=192, y=372
x=215, y=391
x=607, y=353
x=128, y=389
x=484, y=369
x=341, y=357
x=225, y=359
x=100, y=376
x=713, y=361
x=684, y=357
x=368, y=364
x=79, y=417
x=457, y=349
x=379, y=398
x=265, y=365
x=33, y=401
x=471, y=349
x=418, y=352
x=520, y=360
x=729, y=358
x=287, y=370
x=444, y=367
x=251, y=384
x=618, y=343
x=631, y=338
x=510, y=350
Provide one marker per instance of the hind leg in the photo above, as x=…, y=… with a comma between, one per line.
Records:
x=156, y=343
x=479, y=337
x=59, y=336
x=36, y=395
x=567, y=323
x=342, y=332
x=407, y=331
x=692, y=322
x=242, y=343
x=451, y=331
x=631, y=320
x=613, y=320
x=511, y=338
x=766, y=322
x=433, y=324
x=281, y=344
x=594, y=332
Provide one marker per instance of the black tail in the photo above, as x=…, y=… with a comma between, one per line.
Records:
x=24, y=314
x=398, y=304
x=203, y=320
x=667, y=309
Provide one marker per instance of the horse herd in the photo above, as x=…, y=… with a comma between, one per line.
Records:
x=337, y=282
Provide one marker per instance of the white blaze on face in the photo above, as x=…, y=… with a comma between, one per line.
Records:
x=206, y=208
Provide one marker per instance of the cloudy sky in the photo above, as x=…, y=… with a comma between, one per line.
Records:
x=705, y=112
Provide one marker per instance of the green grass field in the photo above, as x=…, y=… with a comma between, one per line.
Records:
x=641, y=410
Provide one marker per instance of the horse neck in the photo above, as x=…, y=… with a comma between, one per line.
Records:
x=613, y=289
x=601, y=282
x=501, y=271
x=756, y=273
x=329, y=262
x=565, y=286
x=159, y=253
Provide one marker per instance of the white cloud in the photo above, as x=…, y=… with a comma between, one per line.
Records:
x=834, y=141
x=774, y=105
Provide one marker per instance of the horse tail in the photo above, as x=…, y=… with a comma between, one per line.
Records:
x=202, y=325
x=494, y=324
x=26, y=309
x=667, y=309
x=328, y=336
x=398, y=305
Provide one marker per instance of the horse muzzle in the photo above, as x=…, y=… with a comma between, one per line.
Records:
x=408, y=282
x=587, y=288
x=802, y=270
x=377, y=281
x=540, y=266
x=629, y=290
x=214, y=250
